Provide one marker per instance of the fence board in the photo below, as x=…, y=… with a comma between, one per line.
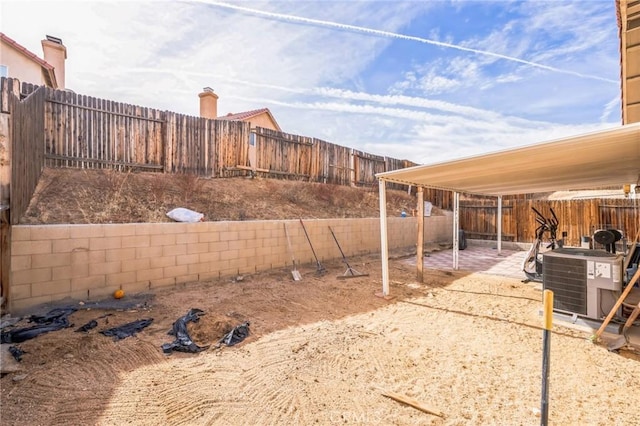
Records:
x=83, y=131
x=339, y=164
x=283, y=154
x=96, y=133
x=366, y=166
x=27, y=151
x=576, y=217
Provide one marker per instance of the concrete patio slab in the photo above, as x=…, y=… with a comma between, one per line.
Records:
x=481, y=259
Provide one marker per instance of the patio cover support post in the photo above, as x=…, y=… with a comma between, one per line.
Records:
x=499, y=224
x=384, y=246
x=420, y=243
x=456, y=227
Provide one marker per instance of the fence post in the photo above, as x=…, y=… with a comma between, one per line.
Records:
x=352, y=166
x=168, y=133
x=546, y=349
x=420, y=245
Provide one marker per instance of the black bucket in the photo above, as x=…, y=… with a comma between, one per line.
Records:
x=462, y=240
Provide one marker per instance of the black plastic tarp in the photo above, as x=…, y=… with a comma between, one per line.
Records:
x=16, y=352
x=127, y=330
x=183, y=342
x=237, y=335
x=54, y=320
x=91, y=324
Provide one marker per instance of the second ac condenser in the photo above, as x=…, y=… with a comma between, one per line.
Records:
x=584, y=282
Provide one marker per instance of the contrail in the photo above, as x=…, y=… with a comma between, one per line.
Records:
x=388, y=34
x=336, y=93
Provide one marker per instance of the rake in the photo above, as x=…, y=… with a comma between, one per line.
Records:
x=320, y=269
x=294, y=272
x=350, y=272
x=624, y=339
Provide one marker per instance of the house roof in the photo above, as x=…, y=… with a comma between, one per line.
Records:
x=47, y=68
x=601, y=159
x=242, y=116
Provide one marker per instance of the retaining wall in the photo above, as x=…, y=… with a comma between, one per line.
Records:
x=85, y=262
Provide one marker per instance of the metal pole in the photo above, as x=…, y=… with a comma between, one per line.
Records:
x=499, y=224
x=546, y=343
x=420, y=244
x=344, y=258
x=320, y=268
x=456, y=227
x=384, y=244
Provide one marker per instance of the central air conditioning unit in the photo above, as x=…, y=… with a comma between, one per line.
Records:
x=584, y=282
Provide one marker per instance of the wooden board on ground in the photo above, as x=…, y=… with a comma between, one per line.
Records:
x=413, y=403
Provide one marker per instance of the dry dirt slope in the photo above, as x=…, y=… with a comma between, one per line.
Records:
x=102, y=196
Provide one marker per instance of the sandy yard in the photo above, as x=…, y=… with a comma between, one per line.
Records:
x=323, y=351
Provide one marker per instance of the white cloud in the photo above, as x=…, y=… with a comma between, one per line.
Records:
x=311, y=63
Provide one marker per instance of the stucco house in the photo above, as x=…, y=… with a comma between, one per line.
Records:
x=628, y=13
x=257, y=117
x=18, y=62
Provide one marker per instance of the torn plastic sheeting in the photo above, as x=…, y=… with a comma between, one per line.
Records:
x=92, y=324
x=54, y=320
x=237, y=335
x=52, y=316
x=88, y=326
x=9, y=322
x=183, y=342
x=127, y=330
x=181, y=214
x=16, y=352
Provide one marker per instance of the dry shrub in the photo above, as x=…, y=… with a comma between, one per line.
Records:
x=158, y=189
x=398, y=200
x=189, y=184
x=296, y=193
x=115, y=181
x=324, y=192
x=111, y=196
x=293, y=194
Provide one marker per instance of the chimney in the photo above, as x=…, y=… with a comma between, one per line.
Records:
x=208, y=103
x=55, y=54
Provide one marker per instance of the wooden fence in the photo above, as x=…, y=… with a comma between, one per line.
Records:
x=365, y=167
x=211, y=148
x=27, y=159
x=284, y=155
x=86, y=132
x=63, y=129
x=302, y=157
x=577, y=218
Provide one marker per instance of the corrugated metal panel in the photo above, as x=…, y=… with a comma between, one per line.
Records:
x=589, y=161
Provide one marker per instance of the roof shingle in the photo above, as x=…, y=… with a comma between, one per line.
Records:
x=48, y=68
x=243, y=115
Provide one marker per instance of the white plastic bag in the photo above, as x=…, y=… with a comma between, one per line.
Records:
x=185, y=215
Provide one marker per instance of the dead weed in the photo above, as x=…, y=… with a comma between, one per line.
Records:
x=105, y=196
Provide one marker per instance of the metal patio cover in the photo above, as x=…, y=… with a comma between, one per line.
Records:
x=600, y=159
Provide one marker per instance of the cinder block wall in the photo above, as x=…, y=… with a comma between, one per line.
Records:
x=85, y=262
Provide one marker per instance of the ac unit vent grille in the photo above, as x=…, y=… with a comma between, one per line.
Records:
x=567, y=278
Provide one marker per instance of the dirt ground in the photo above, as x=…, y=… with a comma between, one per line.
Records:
x=323, y=351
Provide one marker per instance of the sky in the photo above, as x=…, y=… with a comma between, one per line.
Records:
x=427, y=81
